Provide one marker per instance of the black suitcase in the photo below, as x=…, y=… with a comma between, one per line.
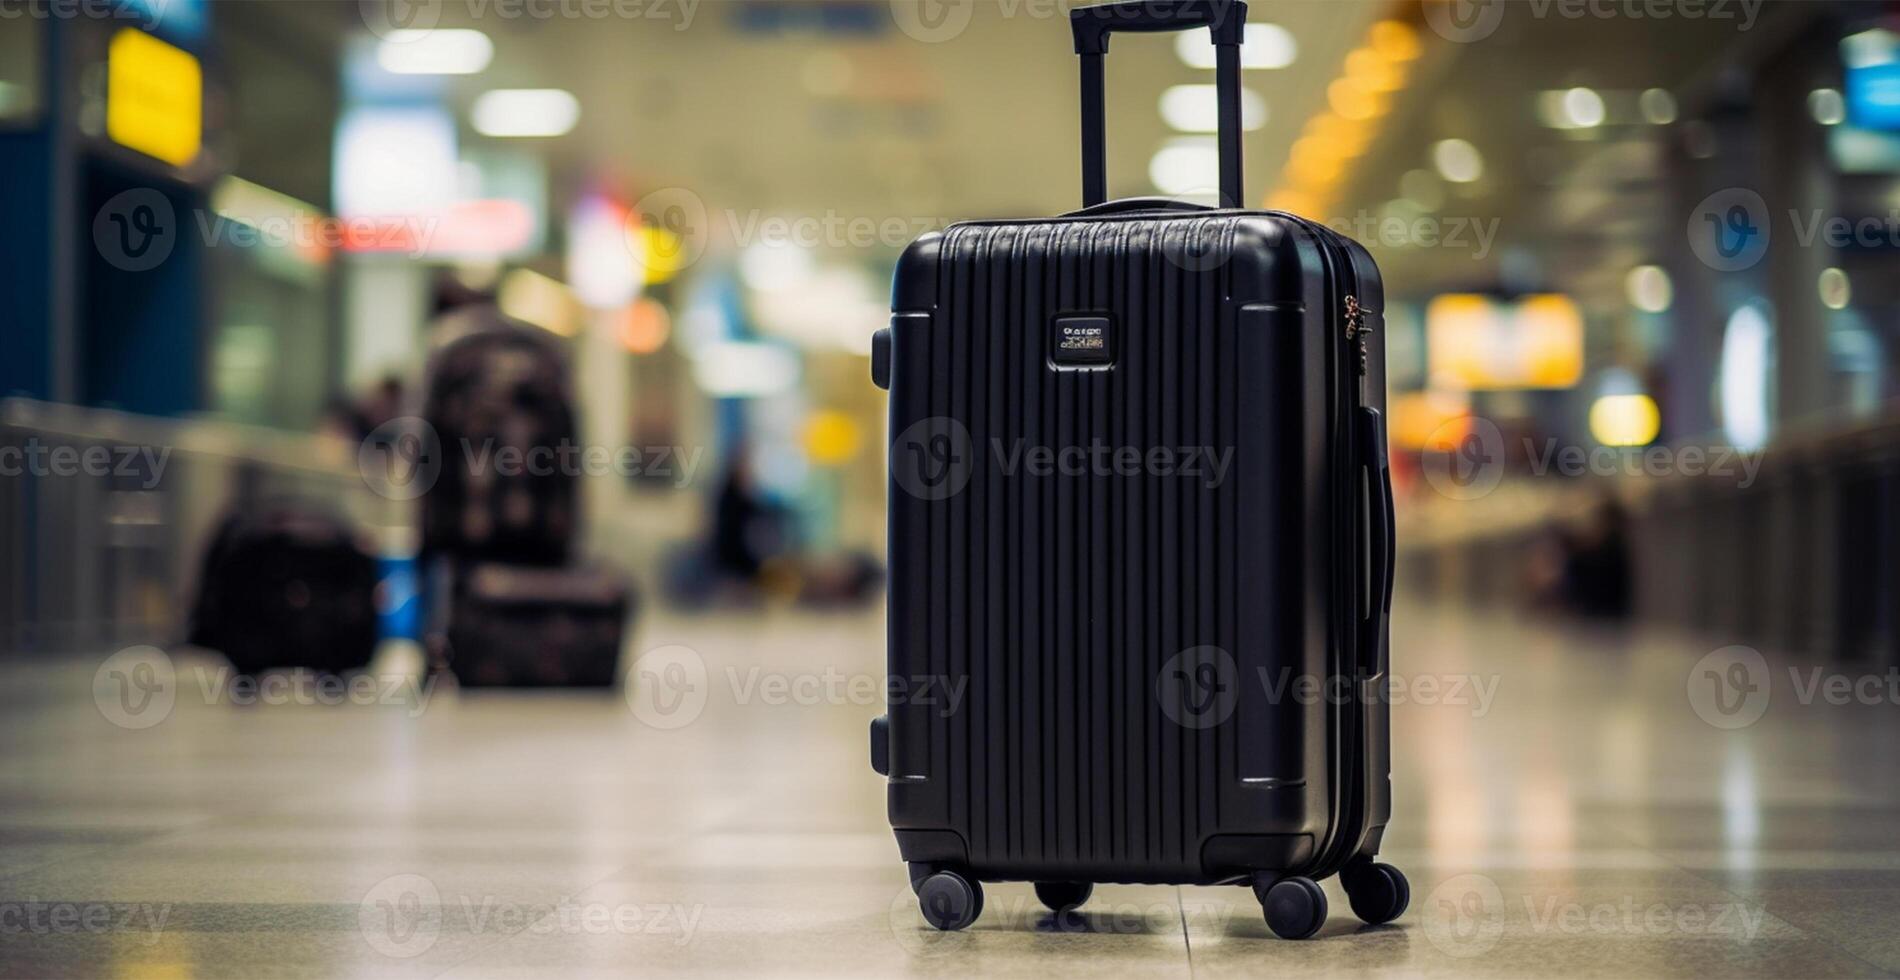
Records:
x=502, y=410
x=526, y=626
x=1174, y=669
x=289, y=585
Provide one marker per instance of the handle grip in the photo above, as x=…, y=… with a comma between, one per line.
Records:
x=1226, y=21
x=1092, y=25
x=1382, y=543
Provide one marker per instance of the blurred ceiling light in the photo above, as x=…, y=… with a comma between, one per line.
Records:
x=1196, y=108
x=598, y=266
x=1353, y=100
x=526, y=112
x=1649, y=289
x=1395, y=40
x=1827, y=106
x=531, y=297
x=742, y=369
x=1185, y=165
x=1422, y=188
x=435, y=52
x=1457, y=161
x=1625, y=420
x=1265, y=46
x=1374, y=71
x=1836, y=292
x=1657, y=105
x=1573, y=108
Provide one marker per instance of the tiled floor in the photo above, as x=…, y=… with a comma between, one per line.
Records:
x=1577, y=818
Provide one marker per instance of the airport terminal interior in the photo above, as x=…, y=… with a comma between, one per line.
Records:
x=444, y=489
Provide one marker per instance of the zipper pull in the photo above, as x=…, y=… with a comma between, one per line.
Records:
x=1356, y=330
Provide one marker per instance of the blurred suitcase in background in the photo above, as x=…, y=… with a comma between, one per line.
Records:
x=527, y=626
x=288, y=586
x=1134, y=638
x=499, y=401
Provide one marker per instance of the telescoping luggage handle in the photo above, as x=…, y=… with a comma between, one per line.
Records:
x=1225, y=19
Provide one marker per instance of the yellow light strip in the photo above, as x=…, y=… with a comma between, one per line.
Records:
x=1357, y=101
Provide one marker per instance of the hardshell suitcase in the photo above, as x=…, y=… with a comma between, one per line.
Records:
x=528, y=626
x=1140, y=516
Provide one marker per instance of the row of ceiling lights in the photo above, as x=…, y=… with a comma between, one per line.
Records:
x=506, y=113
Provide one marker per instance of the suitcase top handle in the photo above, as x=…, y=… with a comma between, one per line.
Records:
x=1226, y=20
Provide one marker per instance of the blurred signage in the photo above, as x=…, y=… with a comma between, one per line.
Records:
x=1476, y=343
x=1872, y=63
x=154, y=97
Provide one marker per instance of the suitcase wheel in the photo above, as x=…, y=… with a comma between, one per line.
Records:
x=949, y=900
x=1295, y=907
x=1063, y=896
x=1378, y=892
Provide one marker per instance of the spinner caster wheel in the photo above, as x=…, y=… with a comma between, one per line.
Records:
x=1063, y=896
x=1295, y=907
x=1378, y=893
x=950, y=901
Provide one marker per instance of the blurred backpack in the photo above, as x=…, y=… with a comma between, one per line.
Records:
x=500, y=404
x=288, y=585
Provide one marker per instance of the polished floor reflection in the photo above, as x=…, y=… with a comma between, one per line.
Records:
x=1571, y=801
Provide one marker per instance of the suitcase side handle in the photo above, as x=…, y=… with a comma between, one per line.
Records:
x=1226, y=20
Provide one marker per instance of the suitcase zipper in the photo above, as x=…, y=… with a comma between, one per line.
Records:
x=1356, y=330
